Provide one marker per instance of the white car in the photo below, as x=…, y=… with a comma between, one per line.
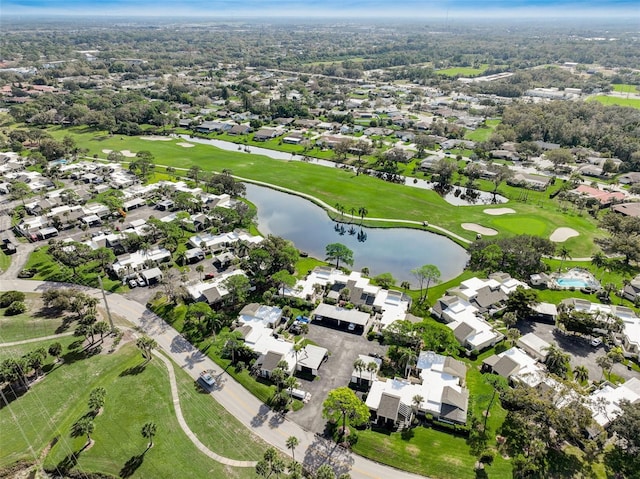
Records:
x=207, y=380
x=595, y=342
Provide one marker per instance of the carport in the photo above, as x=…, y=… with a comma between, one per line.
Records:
x=152, y=275
x=341, y=318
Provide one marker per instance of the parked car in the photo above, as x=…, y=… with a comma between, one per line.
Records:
x=141, y=282
x=209, y=276
x=595, y=342
x=132, y=283
x=206, y=380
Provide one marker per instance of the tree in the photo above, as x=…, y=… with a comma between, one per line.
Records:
x=325, y=472
x=194, y=173
x=581, y=374
x=362, y=211
x=283, y=279
x=55, y=350
x=372, y=367
x=426, y=274
x=443, y=171
x=295, y=470
x=238, y=286
x=142, y=166
x=563, y=253
x=115, y=157
x=146, y=345
x=513, y=334
x=498, y=384
x=509, y=319
x=385, y=280
x=292, y=442
x=624, y=459
x=521, y=301
x=96, y=399
x=557, y=361
x=339, y=252
x=343, y=403
x=605, y=363
x=19, y=191
x=84, y=427
x=148, y=432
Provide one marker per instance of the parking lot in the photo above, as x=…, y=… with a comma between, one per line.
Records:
x=580, y=349
x=344, y=348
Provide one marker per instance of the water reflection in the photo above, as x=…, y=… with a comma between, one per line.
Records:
x=393, y=250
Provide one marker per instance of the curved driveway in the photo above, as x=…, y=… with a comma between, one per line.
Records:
x=271, y=427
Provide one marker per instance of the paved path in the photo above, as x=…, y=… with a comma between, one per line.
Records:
x=35, y=340
x=273, y=428
x=185, y=427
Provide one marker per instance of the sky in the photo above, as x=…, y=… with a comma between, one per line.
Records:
x=330, y=8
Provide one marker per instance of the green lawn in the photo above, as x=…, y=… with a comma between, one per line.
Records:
x=625, y=88
x=429, y=452
x=463, y=71
x=482, y=133
x=22, y=349
x=336, y=185
x=615, y=100
x=27, y=326
x=5, y=261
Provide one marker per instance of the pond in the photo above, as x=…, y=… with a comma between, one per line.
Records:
x=382, y=250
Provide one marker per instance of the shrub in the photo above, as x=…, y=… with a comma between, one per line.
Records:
x=17, y=307
x=11, y=297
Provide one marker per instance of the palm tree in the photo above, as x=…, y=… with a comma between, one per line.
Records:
x=359, y=365
x=96, y=399
x=581, y=374
x=415, y=403
x=606, y=363
x=362, y=211
x=512, y=336
x=598, y=259
x=295, y=470
x=557, y=361
x=292, y=442
x=84, y=426
x=372, y=367
x=407, y=359
x=509, y=319
x=340, y=209
x=564, y=254
x=290, y=383
x=148, y=431
x=146, y=345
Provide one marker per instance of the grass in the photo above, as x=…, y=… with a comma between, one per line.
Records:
x=118, y=441
x=22, y=349
x=483, y=133
x=615, y=100
x=463, y=71
x=27, y=325
x=5, y=261
x=625, y=88
x=49, y=270
x=336, y=185
x=429, y=452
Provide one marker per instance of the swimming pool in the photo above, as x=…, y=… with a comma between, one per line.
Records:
x=573, y=282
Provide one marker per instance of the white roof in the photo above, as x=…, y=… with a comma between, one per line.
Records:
x=311, y=356
x=604, y=403
x=335, y=312
x=534, y=342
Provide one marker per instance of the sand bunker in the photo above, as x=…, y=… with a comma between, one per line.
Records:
x=498, y=211
x=156, y=138
x=563, y=234
x=107, y=151
x=476, y=228
x=185, y=145
x=127, y=153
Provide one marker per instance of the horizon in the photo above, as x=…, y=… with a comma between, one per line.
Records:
x=332, y=9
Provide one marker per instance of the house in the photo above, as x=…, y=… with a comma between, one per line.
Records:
x=239, y=130
x=605, y=198
x=534, y=346
x=440, y=385
x=309, y=359
x=627, y=209
x=151, y=275
x=337, y=317
x=165, y=205
x=211, y=126
x=516, y=365
x=631, y=291
x=265, y=134
x=136, y=261
x=212, y=291
x=194, y=255
x=604, y=403
x=526, y=180
x=629, y=178
x=544, y=312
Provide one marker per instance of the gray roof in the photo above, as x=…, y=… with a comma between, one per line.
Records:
x=487, y=297
x=151, y=273
x=463, y=331
x=388, y=406
x=312, y=356
x=212, y=295
x=250, y=309
x=505, y=367
x=271, y=360
x=341, y=314
x=455, y=367
x=454, y=405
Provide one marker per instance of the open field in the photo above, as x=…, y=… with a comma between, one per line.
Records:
x=482, y=133
x=334, y=185
x=463, y=71
x=615, y=100
x=625, y=88
x=28, y=325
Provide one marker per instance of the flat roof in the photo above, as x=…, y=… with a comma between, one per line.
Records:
x=341, y=314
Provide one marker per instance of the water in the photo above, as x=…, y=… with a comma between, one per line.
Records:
x=389, y=250
x=572, y=282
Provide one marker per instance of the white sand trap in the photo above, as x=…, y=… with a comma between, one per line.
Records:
x=156, y=138
x=107, y=151
x=498, y=211
x=563, y=234
x=476, y=228
x=127, y=153
x=185, y=145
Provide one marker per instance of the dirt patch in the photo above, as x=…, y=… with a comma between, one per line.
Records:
x=155, y=138
x=498, y=211
x=185, y=144
x=413, y=450
x=476, y=228
x=561, y=235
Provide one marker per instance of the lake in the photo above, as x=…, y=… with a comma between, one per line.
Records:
x=382, y=250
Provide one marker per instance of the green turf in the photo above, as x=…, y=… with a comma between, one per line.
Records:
x=28, y=325
x=429, y=452
x=22, y=349
x=133, y=398
x=615, y=100
x=625, y=88
x=334, y=185
x=463, y=71
x=5, y=261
